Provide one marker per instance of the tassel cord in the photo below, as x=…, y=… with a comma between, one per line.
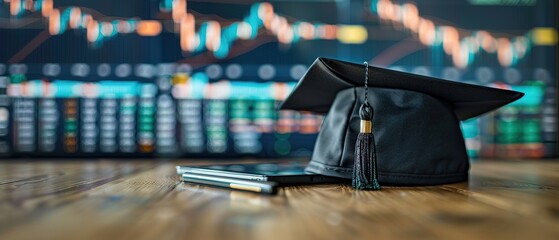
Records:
x=365, y=164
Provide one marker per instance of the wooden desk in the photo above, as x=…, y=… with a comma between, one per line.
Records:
x=145, y=200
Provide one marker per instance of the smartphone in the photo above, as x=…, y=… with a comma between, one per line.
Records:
x=285, y=173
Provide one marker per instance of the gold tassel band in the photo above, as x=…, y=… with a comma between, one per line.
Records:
x=366, y=126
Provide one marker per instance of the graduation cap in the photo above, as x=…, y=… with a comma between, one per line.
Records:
x=389, y=127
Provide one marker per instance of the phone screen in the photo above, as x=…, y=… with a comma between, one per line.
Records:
x=268, y=169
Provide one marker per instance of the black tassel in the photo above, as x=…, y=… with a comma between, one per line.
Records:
x=365, y=167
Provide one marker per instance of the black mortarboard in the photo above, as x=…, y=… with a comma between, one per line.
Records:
x=417, y=138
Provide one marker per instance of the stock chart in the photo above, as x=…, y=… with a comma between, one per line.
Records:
x=180, y=78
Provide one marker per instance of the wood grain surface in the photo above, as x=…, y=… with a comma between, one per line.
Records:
x=118, y=199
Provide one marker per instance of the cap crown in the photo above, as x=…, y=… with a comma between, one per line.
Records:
x=418, y=138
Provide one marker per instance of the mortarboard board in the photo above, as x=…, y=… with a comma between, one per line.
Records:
x=415, y=136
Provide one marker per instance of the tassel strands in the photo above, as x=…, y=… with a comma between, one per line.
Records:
x=365, y=164
x=364, y=170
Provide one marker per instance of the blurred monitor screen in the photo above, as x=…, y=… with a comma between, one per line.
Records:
x=178, y=78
